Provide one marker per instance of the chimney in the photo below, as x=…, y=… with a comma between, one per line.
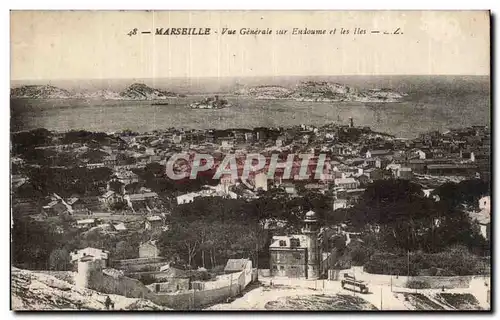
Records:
x=351, y=122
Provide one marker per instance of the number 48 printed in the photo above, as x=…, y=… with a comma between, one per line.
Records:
x=133, y=32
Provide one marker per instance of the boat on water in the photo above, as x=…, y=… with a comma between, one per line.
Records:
x=162, y=103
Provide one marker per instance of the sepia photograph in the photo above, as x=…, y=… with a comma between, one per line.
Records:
x=250, y=160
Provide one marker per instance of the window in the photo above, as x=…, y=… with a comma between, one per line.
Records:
x=282, y=243
x=294, y=243
x=275, y=268
x=282, y=268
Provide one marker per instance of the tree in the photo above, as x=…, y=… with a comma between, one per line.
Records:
x=59, y=259
x=125, y=250
x=183, y=239
x=32, y=243
x=116, y=186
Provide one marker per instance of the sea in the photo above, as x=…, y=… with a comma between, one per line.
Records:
x=432, y=103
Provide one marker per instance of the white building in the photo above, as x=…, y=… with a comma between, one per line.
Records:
x=346, y=183
x=484, y=204
x=93, y=253
x=339, y=204
x=187, y=198
x=153, y=223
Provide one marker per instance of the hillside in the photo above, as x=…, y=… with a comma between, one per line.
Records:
x=40, y=291
x=136, y=91
x=322, y=92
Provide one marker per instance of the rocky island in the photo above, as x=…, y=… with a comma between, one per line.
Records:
x=136, y=91
x=314, y=91
x=40, y=92
x=210, y=103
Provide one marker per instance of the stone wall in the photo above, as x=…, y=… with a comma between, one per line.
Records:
x=172, y=285
x=120, y=285
x=194, y=299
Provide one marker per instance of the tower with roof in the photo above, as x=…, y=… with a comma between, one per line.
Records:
x=310, y=230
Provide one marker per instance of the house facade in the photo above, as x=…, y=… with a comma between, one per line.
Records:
x=297, y=256
x=288, y=257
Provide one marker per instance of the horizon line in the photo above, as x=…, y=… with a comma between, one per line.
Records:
x=262, y=76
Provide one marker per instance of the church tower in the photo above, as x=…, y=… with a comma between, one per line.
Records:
x=310, y=230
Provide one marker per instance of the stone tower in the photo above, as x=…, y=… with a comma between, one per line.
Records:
x=310, y=230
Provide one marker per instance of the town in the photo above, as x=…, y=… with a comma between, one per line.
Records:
x=101, y=205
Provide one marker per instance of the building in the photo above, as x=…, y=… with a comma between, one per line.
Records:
x=55, y=208
x=139, y=198
x=310, y=230
x=280, y=141
x=249, y=137
x=127, y=177
x=153, y=223
x=288, y=256
x=339, y=204
x=187, y=198
x=95, y=165
x=404, y=173
x=484, y=226
x=92, y=254
x=176, y=138
x=237, y=265
x=373, y=162
x=110, y=161
x=420, y=154
x=378, y=153
x=417, y=165
x=451, y=169
x=149, y=250
x=120, y=227
x=109, y=198
x=227, y=143
x=77, y=205
x=346, y=183
x=297, y=256
x=485, y=205
x=86, y=223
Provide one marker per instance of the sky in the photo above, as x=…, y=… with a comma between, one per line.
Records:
x=56, y=45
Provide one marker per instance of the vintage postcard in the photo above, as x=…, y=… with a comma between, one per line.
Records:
x=250, y=160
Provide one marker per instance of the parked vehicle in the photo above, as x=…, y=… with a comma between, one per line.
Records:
x=349, y=282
